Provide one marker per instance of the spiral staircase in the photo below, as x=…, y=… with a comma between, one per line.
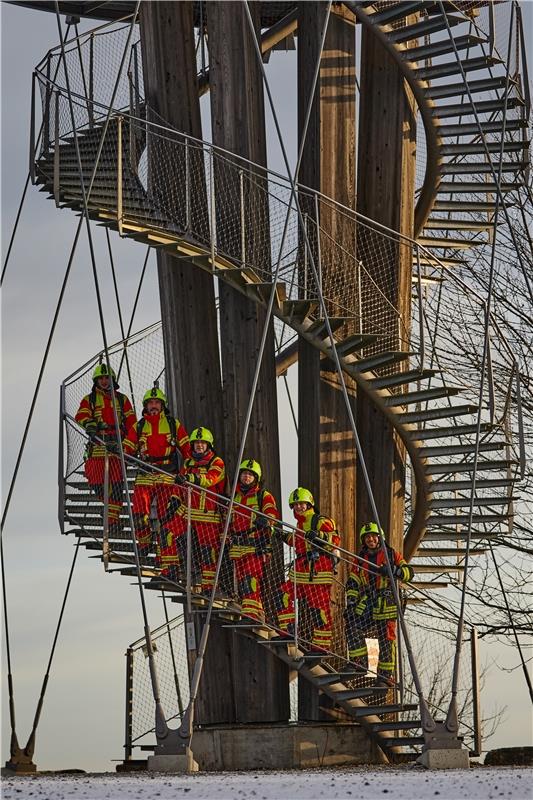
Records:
x=454, y=211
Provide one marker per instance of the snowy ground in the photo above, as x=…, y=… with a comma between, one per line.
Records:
x=479, y=783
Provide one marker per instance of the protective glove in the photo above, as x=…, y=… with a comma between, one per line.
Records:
x=262, y=547
x=313, y=537
x=261, y=523
x=383, y=570
x=112, y=447
x=90, y=428
x=398, y=572
x=173, y=506
x=180, y=479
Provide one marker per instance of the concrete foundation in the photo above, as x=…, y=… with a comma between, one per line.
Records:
x=175, y=763
x=282, y=746
x=445, y=759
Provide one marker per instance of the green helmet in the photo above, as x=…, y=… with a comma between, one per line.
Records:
x=103, y=371
x=202, y=435
x=155, y=393
x=300, y=495
x=370, y=527
x=252, y=466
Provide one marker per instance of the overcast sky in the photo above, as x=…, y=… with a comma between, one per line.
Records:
x=82, y=722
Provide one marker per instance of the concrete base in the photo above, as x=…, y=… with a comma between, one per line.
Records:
x=183, y=763
x=283, y=746
x=445, y=759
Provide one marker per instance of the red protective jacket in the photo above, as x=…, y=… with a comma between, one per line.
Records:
x=208, y=472
x=97, y=407
x=245, y=535
x=152, y=439
x=314, y=560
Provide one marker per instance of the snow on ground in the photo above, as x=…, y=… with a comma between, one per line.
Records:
x=479, y=783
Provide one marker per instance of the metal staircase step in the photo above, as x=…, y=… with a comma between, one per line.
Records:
x=357, y=341
x=318, y=326
x=398, y=11
x=439, y=91
x=265, y=289
x=457, y=536
x=465, y=206
x=429, y=261
x=451, y=430
x=464, y=502
x=461, y=486
x=487, y=126
x=298, y=310
x=352, y=694
x=422, y=396
x=464, y=168
x=442, y=223
x=444, y=242
x=455, y=67
x=467, y=466
x=395, y=725
x=464, y=519
x=481, y=107
x=474, y=187
x=446, y=552
x=401, y=378
x=394, y=708
x=482, y=146
x=438, y=413
x=438, y=569
x=381, y=360
x=444, y=46
x=461, y=449
x=425, y=27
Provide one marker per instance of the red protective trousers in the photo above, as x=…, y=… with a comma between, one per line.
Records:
x=318, y=599
x=208, y=535
x=95, y=474
x=249, y=574
x=143, y=496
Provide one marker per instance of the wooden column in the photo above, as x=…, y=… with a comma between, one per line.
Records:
x=187, y=297
x=326, y=445
x=386, y=181
x=238, y=125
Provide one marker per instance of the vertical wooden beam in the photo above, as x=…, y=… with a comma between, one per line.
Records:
x=187, y=297
x=238, y=125
x=326, y=447
x=186, y=293
x=386, y=182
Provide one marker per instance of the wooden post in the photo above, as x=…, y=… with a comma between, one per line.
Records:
x=326, y=454
x=238, y=125
x=386, y=182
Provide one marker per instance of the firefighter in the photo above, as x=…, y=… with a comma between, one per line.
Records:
x=371, y=607
x=203, y=470
x=96, y=416
x=158, y=438
x=315, y=543
x=251, y=537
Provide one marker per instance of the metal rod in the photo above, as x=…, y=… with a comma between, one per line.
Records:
x=422, y=349
x=476, y=706
x=61, y=461
x=56, y=149
x=520, y=420
x=119, y=176
x=187, y=188
x=490, y=382
x=243, y=230
x=105, y=532
x=212, y=209
x=90, y=104
x=32, y=129
x=128, y=733
x=318, y=244
x=46, y=114
x=189, y=552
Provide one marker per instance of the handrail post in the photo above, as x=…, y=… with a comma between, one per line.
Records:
x=128, y=734
x=476, y=706
x=46, y=113
x=90, y=104
x=188, y=554
x=187, y=188
x=318, y=245
x=421, y=345
x=490, y=382
x=520, y=419
x=295, y=588
x=56, y=149
x=119, y=175
x=61, y=461
x=136, y=79
x=32, y=129
x=212, y=208
x=243, y=231
x=105, y=532
x=131, y=141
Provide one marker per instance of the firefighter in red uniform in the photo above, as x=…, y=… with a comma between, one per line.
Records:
x=203, y=470
x=96, y=416
x=371, y=608
x=314, y=544
x=157, y=439
x=250, y=536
